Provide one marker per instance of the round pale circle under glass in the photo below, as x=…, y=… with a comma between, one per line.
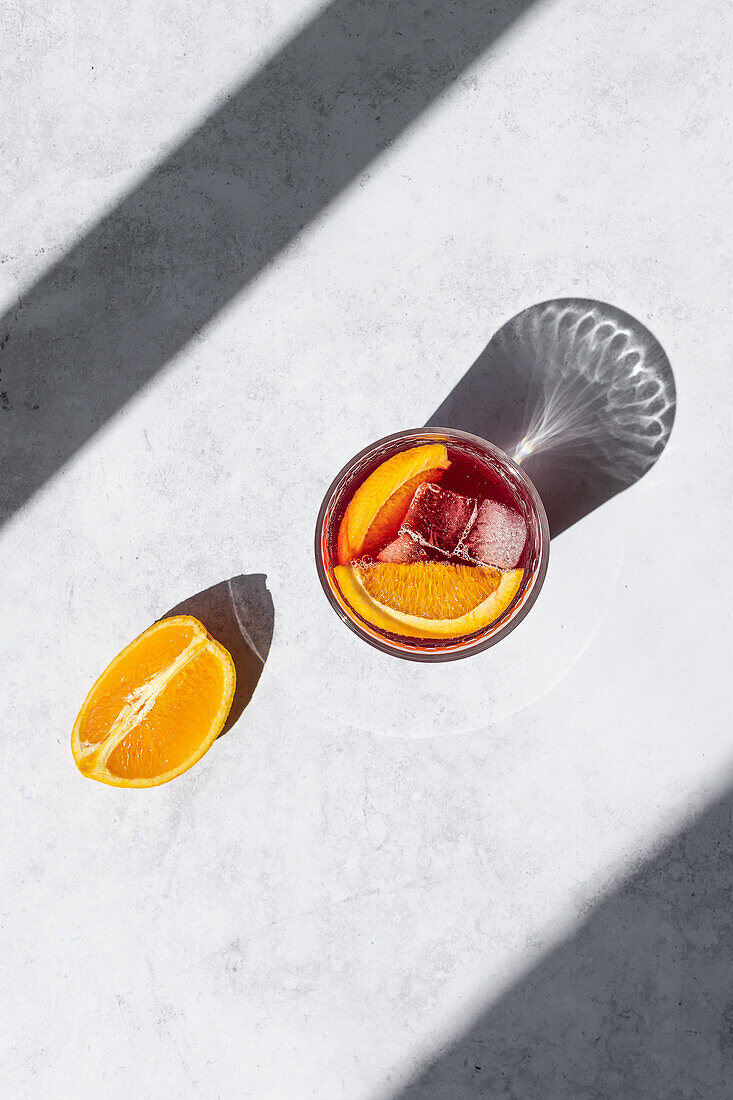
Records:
x=322, y=665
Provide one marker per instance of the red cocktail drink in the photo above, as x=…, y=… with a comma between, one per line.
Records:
x=432, y=544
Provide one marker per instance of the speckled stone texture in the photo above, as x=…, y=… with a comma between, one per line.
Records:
x=637, y=1002
x=240, y=242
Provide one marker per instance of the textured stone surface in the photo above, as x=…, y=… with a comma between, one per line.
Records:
x=225, y=269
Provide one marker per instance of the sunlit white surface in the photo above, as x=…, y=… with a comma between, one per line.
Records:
x=311, y=907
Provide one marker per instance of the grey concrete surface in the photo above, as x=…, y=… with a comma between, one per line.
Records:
x=636, y=1003
x=238, y=244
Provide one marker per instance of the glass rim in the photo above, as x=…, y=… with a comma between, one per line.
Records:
x=454, y=649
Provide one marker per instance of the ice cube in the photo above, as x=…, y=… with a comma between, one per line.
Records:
x=403, y=550
x=437, y=518
x=496, y=536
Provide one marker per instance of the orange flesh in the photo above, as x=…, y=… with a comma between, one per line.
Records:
x=152, y=652
x=157, y=708
x=432, y=590
x=171, y=732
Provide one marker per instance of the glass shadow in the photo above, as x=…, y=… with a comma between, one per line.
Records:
x=577, y=391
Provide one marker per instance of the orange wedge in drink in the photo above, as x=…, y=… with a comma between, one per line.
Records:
x=157, y=708
x=428, y=599
x=379, y=505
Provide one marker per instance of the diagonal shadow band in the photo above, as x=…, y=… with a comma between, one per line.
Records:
x=579, y=392
x=200, y=227
x=637, y=1004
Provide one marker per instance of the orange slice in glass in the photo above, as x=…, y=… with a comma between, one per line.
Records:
x=428, y=599
x=157, y=708
x=379, y=505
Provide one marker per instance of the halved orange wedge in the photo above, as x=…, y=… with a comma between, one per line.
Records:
x=428, y=599
x=157, y=708
x=379, y=505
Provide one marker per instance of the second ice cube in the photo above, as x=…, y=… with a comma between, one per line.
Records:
x=496, y=538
